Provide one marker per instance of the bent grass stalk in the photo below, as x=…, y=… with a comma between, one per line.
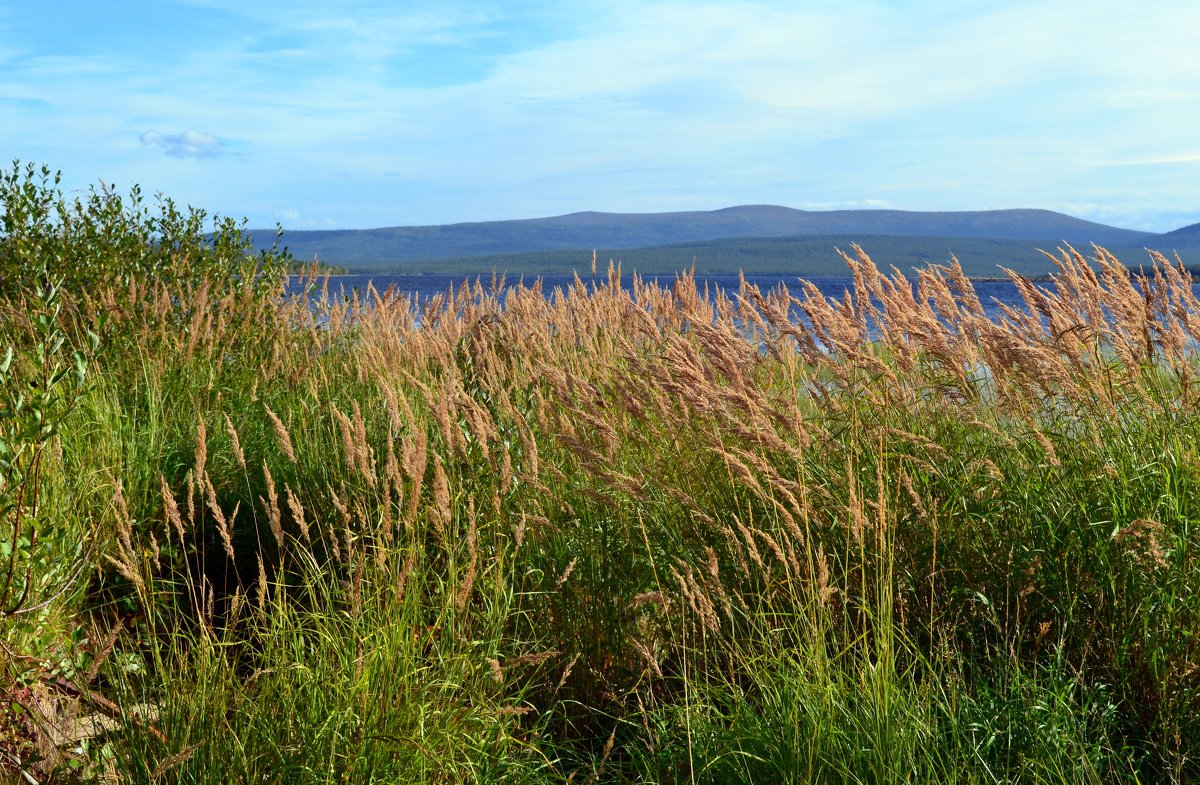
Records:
x=530, y=537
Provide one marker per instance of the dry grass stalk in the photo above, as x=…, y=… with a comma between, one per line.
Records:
x=415, y=462
x=442, y=512
x=335, y=547
x=648, y=657
x=468, y=579
x=155, y=552
x=357, y=451
x=274, y=519
x=297, y=511
x=410, y=564
x=855, y=508
x=696, y=597
x=201, y=457
x=281, y=434
x=1047, y=446
x=261, y=588
x=172, y=509
x=654, y=597
x=519, y=532
x=391, y=472
x=738, y=549
x=566, y=573
x=1145, y=541
x=356, y=593
x=191, y=484
x=347, y=432
x=604, y=756
x=173, y=761
x=442, y=407
x=566, y=674
x=236, y=443
x=218, y=514
x=236, y=603
x=126, y=561
x=340, y=505
x=362, y=448
x=748, y=541
x=825, y=588
x=532, y=660
x=101, y=652
x=914, y=498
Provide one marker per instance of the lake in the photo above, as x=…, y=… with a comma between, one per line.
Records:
x=424, y=287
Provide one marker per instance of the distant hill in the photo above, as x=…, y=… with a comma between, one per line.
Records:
x=1188, y=235
x=757, y=238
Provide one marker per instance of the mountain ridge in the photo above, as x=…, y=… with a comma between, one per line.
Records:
x=400, y=247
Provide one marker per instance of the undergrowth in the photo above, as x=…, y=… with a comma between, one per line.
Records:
x=612, y=533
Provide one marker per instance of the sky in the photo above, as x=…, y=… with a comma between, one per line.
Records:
x=364, y=114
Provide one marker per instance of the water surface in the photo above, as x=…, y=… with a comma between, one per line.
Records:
x=990, y=292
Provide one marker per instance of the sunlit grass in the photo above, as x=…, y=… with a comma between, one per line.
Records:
x=615, y=535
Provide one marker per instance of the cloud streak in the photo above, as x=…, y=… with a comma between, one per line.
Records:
x=432, y=112
x=188, y=144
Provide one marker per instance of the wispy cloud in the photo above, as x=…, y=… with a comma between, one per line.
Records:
x=188, y=144
x=432, y=111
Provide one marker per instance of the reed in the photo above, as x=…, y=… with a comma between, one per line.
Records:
x=652, y=533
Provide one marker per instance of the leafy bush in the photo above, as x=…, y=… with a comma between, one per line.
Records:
x=105, y=239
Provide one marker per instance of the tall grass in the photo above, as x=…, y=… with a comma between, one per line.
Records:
x=622, y=534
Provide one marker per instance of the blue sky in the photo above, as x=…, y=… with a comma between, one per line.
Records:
x=362, y=114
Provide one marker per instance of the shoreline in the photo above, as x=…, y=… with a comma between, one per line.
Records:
x=582, y=276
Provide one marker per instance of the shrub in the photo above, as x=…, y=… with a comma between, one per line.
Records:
x=105, y=239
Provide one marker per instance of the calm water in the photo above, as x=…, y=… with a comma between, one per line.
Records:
x=427, y=286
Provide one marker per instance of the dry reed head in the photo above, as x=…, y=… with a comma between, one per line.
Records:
x=235, y=442
x=442, y=512
x=223, y=524
x=281, y=434
x=468, y=578
x=201, y=457
x=1145, y=542
x=297, y=511
x=173, y=761
x=261, y=587
x=594, y=377
x=172, y=509
x=357, y=451
x=566, y=573
x=274, y=518
x=100, y=651
x=126, y=562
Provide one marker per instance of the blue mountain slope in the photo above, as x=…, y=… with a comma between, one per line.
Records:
x=619, y=231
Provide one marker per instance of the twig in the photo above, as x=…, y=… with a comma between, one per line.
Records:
x=21, y=769
x=83, y=563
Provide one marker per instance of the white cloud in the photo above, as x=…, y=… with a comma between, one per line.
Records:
x=1165, y=159
x=632, y=105
x=188, y=144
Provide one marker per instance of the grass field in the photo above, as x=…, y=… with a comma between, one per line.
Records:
x=664, y=535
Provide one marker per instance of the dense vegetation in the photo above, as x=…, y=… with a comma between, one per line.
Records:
x=667, y=535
